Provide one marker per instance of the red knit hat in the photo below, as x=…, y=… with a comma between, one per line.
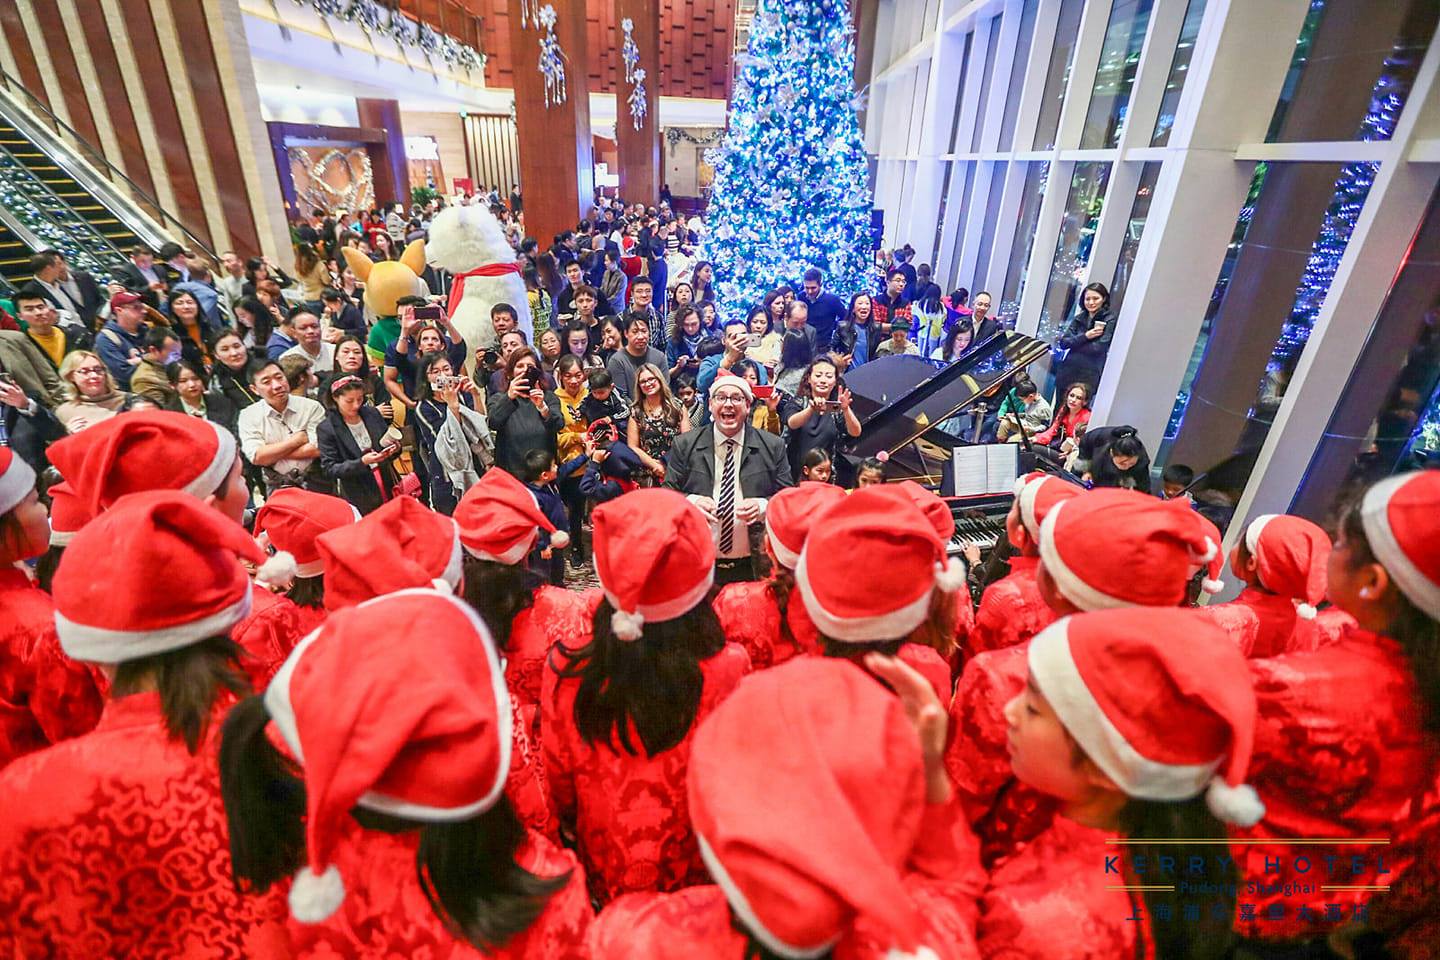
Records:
x=145, y=450
x=937, y=511
x=1036, y=494
x=1401, y=516
x=290, y=520
x=654, y=558
x=17, y=480
x=1159, y=699
x=499, y=520
x=1290, y=556
x=143, y=539
x=791, y=513
x=1119, y=548
x=401, y=545
x=807, y=791
x=882, y=527
x=67, y=514
x=393, y=707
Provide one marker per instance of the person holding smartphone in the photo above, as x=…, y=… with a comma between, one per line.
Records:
x=525, y=416
x=357, y=446
x=684, y=344
x=819, y=417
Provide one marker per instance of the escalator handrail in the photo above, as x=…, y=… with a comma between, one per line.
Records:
x=95, y=156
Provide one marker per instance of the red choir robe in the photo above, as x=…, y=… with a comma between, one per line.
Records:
x=1003, y=812
x=943, y=877
x=386, y=915
x=309, y=619
x=1264, y=624
x=931, y=666
x=114, y=844
x=1011, y=609
x=268, y=634
x=749, y=612
x=45, y=697
x=526, y=785
x=1339, y=752
x=1051, y=900
x=557, y=615
x=629, y=814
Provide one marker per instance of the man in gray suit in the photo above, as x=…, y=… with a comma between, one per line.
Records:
x=730, y=470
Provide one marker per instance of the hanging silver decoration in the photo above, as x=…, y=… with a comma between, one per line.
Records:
x=552, y=58
x=529, y=14
x=629, y=50
x=639, y=105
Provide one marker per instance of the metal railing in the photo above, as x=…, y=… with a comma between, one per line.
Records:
x=118, y=182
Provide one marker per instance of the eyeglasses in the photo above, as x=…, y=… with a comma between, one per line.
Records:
x=724, y=398
x=90, y=371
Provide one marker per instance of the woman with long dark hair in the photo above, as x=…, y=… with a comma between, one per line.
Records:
x=130, y=814
x=766, y=617
x=440, y=392
x=194, y=397
x=858, y=336
x=1080, y=731
x=383, y=248
x=395, y=814
x=957, y=341
x=254, y=321
x=682, y=349
x=819, y=417
x=1086, y=338
x=702, y=280
x=617, y=714
x=357, y=449
x=1072, y=416
x=192, y=330
x=525, y=416
x=795, y=358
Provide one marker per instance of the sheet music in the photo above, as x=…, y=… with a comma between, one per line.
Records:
x=985, y=469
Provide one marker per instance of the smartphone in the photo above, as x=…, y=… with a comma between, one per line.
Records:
x=827, y=406
x=763, y=391
x=753, y=340
x=430, y=314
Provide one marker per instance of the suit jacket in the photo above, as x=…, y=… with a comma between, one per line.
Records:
x=340, y=458
x=26, y=362
x=690, y=465
x=92, y=298
x=30, y=435
x=988, y=328
x=130, y=277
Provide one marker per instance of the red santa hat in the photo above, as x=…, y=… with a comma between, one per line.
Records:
x=727, y=379
x=390, y=706
x=145, y=450
x=1401, y=517
x=791, y=513
x=67, y=514
x=401, y=545
x=1159, y=699
x=654, y=558
x=17, y=480
x=1119, y=548
x=1036, y=494
x=1211, y=564
x=160, y=535
x=837, y=747
x=882, y=527
x=1290, y=555
x=500, y=520
x=290, y=521
x=936, y=510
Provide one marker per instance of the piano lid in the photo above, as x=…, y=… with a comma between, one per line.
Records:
x=899, y=399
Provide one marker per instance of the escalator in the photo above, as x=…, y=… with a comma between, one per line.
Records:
x=57, y=190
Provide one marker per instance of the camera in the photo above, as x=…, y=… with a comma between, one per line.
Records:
x=446, y=382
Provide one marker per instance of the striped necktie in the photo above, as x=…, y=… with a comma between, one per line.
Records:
x=725, y=510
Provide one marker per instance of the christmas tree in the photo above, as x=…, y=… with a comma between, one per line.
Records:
x=791, y=184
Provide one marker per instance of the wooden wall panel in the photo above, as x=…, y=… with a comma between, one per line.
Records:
x=62, y=59
x=215, y=126
x=695, y=41
x=117, y=105
x=19, y=43
x=639, y=150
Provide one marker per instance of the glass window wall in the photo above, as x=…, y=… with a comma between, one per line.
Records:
x=1057, y=78
x=1179, y=70
x=985, y=77
x=1072, y=250
x=1031, y=196
x=1134, y=230
x=960, y=90
x=1115, y=77
x=1017, y=73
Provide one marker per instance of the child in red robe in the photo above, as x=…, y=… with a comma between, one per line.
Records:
x=764, y=616
x=397, y=820
x=827, y=826
x=404, y=545
x=1346, y=746
x=113, y=844
x=1282, y=560
x=45, y=697
x=618, y=714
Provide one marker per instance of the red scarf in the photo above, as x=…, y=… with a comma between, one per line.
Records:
x=457, y=286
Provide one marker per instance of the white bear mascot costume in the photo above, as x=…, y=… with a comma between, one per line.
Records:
x=469, y=242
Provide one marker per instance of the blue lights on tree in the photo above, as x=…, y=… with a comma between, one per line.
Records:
x=791, y=181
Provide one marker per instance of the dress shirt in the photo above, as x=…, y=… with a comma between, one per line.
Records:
x=69, y=305
x=740, y=532
x=261, y=424
x=321, y=364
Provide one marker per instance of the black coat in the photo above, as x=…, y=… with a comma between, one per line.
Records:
x=340, y=459
x=30, y=435
x=519, y=429
x=1087, y=356
x=843, y=342
x=130, y=277
x=690, y=465
x=219, y=409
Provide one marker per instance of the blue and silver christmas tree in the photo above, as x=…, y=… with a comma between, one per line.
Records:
x=791, y=184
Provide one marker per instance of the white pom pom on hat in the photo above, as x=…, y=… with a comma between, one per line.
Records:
x=1239, y=805
x=279, y=570
x=314, y=897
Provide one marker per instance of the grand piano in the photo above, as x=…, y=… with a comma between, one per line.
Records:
x=916, y=411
